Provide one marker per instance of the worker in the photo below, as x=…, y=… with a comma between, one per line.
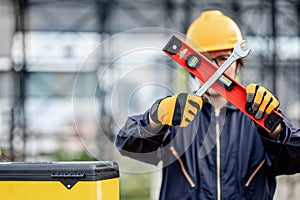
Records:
x=210, y=149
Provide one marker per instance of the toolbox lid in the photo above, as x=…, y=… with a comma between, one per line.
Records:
x=69, y=173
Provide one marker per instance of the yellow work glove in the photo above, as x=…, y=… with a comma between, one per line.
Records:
x=261, y=102
x=179, y=109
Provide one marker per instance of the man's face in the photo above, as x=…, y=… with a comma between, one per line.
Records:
x=219, y=57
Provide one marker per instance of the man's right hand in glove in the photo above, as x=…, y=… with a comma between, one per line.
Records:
x=179, y=109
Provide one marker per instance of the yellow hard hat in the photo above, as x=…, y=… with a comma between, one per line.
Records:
x=213, y=31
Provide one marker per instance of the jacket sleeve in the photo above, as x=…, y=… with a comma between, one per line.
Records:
x=136, y=140
x=283, y=153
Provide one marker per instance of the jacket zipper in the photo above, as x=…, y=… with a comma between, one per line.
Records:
x=188, y=178
x=255, y=172
x=218, y=151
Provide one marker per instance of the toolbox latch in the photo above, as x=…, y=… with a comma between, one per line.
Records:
x=68, y=179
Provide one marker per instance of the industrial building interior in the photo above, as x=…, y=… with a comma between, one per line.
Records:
x=71, y=71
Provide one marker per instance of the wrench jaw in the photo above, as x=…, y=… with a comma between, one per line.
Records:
x=241, y=49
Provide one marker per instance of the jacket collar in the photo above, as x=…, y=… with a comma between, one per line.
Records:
x=231, y=106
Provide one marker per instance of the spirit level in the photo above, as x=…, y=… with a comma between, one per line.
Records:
x=201, y=67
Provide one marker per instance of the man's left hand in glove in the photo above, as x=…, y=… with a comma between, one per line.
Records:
x=262, y=103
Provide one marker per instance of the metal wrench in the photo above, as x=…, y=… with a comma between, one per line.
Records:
x=238, y=52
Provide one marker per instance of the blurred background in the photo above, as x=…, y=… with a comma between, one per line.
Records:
x=71, y=71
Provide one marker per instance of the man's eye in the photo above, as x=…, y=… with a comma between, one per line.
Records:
x=223, y=58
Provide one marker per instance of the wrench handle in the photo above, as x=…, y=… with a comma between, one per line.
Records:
x=203, y=69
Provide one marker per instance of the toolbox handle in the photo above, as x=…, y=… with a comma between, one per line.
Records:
x=68, y=175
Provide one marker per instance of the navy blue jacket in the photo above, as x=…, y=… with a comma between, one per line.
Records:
x=223, y=155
